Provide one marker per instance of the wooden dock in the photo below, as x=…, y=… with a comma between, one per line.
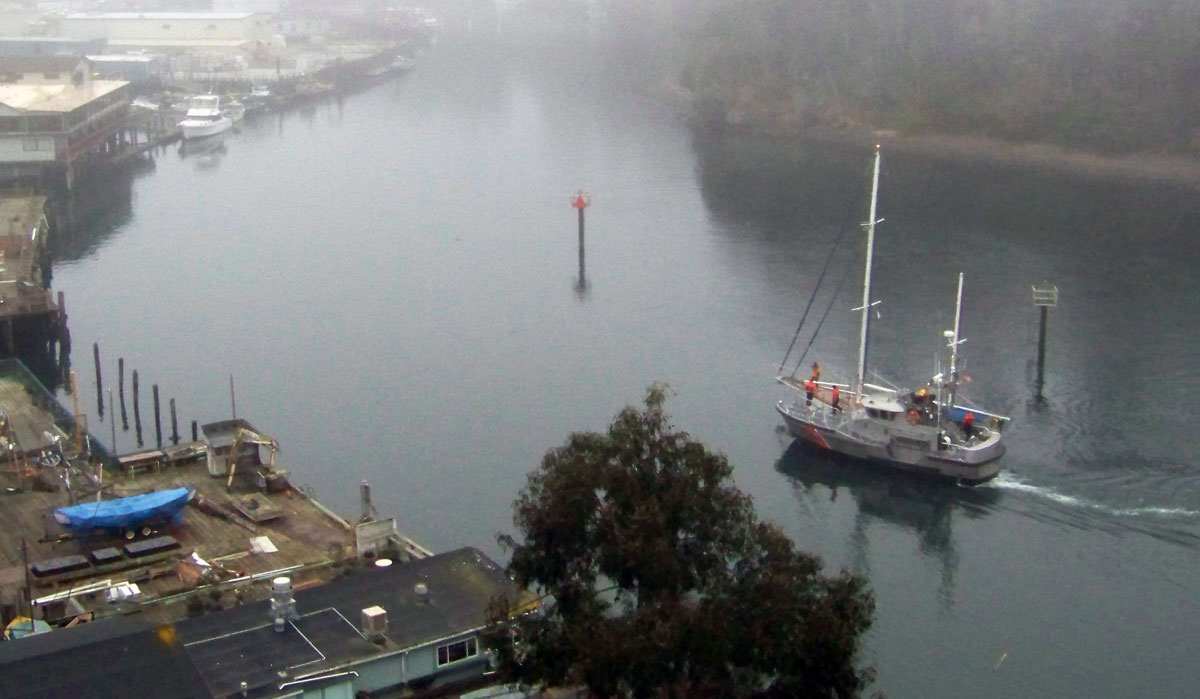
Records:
x=24, y=298
x=230, y=542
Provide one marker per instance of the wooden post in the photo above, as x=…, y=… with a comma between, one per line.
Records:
x=121, y=392
x=232, y=397
x=174, y=425
x=195, y=434
x=99, y=381
x=137, y=411
x=157, y=418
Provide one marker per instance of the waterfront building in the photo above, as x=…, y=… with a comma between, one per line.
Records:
x=183, y=31
x=53, y=113
x=251, y=588
x=141, y=69
x=408, y=629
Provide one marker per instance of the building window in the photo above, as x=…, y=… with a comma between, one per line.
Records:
x=32, y=145
x=453, y=652
x=51, y=75
x=166, y=26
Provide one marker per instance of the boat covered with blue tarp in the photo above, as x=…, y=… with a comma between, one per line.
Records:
x=126, y=512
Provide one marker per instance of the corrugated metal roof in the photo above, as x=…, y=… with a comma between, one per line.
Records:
x=121, y=58
x=178, y=16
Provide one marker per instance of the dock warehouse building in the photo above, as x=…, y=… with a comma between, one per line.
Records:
x=52, y=113
x=233, y=31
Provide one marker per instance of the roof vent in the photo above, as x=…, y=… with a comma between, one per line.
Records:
x=374, y=623
x=283, y=605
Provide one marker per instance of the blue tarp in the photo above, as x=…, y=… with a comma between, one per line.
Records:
x=126, y=512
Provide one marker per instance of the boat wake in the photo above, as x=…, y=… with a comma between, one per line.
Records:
x=1008, y=481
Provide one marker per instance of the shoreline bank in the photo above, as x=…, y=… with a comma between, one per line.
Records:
x=1177, y=170
x=1164, y=169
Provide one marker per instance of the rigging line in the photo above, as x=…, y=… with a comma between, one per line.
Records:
x=828, y=259
x=828, y=307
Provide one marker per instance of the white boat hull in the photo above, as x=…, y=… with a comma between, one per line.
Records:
x=191, y=128
x=903, y=448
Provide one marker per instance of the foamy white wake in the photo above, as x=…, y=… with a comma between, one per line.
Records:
x=1008, y=481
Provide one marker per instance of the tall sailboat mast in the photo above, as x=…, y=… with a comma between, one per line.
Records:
x=866, y=303
x=952, y=383
x=955, y=341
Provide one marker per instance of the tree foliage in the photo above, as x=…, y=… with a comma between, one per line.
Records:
x=659, y=580
x=1119, y=75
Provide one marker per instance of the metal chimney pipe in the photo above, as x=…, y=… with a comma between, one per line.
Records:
x=283, y=605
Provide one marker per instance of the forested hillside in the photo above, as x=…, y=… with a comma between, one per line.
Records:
x=1109, y=75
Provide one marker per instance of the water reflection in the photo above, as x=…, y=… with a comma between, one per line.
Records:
x=205, y=152
x=924, y=507
x=83, y=218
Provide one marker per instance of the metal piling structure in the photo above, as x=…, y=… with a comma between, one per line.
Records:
x=1044, y=298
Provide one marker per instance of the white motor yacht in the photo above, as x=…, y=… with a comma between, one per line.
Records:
x=204, y=118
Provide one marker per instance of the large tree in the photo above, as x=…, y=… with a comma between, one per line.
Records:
x=658, y=579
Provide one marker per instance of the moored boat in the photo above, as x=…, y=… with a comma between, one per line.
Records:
x=234, y=110
x=204, y=118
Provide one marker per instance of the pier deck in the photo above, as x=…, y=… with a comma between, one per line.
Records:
x=23, y=229
x=243, y=538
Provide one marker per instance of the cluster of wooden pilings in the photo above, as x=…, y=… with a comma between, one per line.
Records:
x=135, y=401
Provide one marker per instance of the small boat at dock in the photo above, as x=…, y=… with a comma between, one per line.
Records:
x=204, y=118
x=234, y=110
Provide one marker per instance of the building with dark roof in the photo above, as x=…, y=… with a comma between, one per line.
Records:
x=411, y=627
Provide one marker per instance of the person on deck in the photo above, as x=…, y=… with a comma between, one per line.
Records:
x=968, y=423
x=837, y=395
x=810, y=387
x=816, y=376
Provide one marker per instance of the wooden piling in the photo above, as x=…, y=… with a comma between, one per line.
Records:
x=195, y=434
x=174, y=424
x=99, y=381
x=137, y=413
x=157, y=418
x=121, y=392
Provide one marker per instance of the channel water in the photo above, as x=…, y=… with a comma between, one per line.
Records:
x=391, y=280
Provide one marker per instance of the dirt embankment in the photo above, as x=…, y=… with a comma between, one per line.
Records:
x=1167, y=169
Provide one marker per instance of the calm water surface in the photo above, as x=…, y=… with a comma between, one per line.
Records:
x=391, y=280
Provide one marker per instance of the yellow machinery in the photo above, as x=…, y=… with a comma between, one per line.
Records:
x=247, y=437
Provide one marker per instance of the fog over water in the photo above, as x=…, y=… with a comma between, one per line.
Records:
x=391, y=279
